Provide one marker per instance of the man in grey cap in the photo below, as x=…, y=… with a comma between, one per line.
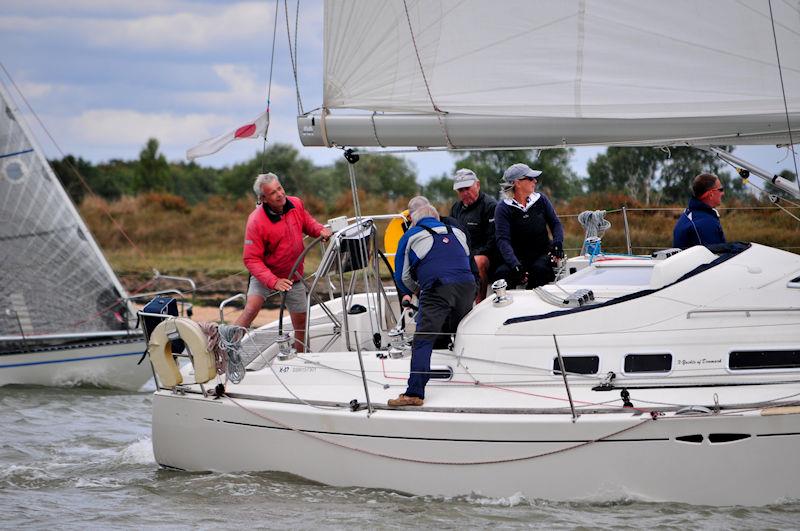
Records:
x=522, y=221
x=475, y=212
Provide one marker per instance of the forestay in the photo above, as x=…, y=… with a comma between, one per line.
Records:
x=548, y=73
x=53, y=278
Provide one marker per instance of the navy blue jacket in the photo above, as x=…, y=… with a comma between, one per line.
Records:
x=698, y=225
x=421, y=261
x=506, y=228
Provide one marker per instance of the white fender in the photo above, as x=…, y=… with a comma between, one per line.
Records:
x=160, y=349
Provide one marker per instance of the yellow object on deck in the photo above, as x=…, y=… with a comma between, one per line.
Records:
x=394, y=231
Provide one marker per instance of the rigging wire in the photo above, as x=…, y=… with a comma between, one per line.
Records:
x=783, y=92
x=293, y=50
x=439, y=112
x=71, y=166
x=269, y=84
x=773, y=198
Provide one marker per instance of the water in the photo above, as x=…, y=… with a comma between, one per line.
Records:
x=82, y=458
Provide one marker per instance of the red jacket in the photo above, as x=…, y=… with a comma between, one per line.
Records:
x=273, y=243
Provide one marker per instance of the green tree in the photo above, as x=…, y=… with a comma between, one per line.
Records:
x=385, y=175
x=70, y=171
x=558, y=179
x=152, y=171
x=122, y=173
x=653, y=175
x=193, y=182
x=440, y=189
x=281, y=159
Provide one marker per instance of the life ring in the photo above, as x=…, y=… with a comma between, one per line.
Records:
x=160, y=349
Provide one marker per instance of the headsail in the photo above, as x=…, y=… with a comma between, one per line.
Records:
x=555, y=72
x=54, y=280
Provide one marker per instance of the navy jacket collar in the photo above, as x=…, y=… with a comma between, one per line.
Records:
x=697, y=205
x=276, y=216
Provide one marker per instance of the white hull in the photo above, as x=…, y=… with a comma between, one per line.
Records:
x=720, y=340
x=339, y=448
x=102, y=363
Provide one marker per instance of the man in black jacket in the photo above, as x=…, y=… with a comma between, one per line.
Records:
x=475, y=212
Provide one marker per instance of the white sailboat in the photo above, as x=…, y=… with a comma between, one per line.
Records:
x=64, y=316
x=679, y=381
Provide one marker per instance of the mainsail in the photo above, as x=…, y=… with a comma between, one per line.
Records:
x=471, y=73
x=54, y=280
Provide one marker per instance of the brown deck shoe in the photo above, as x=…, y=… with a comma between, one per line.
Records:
x=404, y=400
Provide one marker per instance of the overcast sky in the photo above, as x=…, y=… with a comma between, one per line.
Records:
x=106, y=75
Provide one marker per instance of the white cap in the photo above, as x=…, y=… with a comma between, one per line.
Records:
x=464, y=178
x=520, y=171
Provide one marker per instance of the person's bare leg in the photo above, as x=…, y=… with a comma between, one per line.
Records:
x=299, y=325
x=251, y=309
x=482, y=261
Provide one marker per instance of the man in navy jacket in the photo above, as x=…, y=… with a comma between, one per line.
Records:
x=432, y=260
x=699, y=224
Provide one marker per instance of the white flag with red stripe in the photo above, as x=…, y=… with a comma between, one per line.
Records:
x=255, y=129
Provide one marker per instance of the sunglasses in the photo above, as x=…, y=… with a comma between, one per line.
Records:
x=529, y=179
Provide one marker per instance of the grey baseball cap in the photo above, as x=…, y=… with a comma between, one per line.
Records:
x=519, y=171
x=464, y=178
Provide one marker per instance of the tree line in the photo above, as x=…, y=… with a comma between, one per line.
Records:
x=652, y=175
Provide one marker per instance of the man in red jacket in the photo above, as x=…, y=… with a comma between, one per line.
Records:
x=273, y=240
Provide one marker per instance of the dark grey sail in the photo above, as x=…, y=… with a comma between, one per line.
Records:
x=54, y=280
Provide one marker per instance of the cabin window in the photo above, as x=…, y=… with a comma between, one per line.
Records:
x=578, y=364
x=764, y=359
x=794, y=283
x=648, y=363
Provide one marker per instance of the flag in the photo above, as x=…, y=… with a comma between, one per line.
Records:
x=254, y=129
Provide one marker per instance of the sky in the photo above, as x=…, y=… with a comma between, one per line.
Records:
x=105, y=76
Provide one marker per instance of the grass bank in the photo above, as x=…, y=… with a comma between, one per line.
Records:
x=204, y=241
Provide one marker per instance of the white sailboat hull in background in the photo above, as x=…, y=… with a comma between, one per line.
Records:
x=106, y=364
x=339, y=448
x=60, y=300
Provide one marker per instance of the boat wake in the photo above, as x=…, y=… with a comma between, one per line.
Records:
x=137, y=453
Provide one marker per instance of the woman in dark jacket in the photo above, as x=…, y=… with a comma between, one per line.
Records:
x=522, y=221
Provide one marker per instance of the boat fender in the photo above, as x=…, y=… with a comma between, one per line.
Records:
x=161, y=355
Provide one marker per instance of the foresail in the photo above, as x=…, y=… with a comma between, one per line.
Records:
x=564, y=65
x=53, y=278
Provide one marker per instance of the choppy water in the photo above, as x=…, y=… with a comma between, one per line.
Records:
x=82, y=458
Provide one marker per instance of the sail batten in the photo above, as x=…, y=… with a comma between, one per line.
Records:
x=637, y=65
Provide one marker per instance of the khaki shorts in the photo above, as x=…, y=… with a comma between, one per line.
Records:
x=295, y=297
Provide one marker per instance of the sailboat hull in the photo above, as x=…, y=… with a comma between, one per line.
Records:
x=708, y=459
x=112, y=364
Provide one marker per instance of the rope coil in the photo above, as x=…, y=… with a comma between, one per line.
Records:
x=225, y=343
